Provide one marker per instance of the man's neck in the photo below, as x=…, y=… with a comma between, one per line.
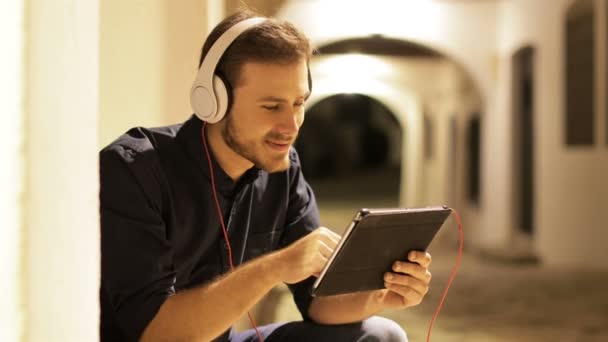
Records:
x=232, y=163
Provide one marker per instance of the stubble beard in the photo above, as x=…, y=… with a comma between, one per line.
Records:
x=247, y=149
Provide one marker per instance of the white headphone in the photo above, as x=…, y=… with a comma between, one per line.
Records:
x=209, y=95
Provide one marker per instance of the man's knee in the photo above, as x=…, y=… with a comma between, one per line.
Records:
x=373, y=329
x=381, y=329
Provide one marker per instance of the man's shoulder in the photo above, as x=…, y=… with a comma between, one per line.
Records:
x=139, y=145
x=140, y=139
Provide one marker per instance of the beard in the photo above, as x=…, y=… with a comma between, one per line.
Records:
x=255, y=151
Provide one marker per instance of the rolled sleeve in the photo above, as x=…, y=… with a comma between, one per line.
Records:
x=136, y=257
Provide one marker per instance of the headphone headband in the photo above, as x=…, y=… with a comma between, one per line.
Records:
x=208, y=95
x=220, y=46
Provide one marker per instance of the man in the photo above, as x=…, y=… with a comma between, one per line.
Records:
x=181, y=204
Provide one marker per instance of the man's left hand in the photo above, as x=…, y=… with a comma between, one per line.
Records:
x=408, y=283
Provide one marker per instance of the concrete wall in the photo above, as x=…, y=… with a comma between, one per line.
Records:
x=264, y=7
x=463, y=30
x=149, y=52
x=570, y=183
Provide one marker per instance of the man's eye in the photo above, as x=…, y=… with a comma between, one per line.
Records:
x=271, y=108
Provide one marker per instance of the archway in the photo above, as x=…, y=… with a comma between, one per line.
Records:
x=423, y=88
x=351, y=152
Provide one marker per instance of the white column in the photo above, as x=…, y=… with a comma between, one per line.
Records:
x=215, y=13
x=11, y=165
x=61, y=236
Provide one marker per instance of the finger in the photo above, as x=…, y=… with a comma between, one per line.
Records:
x=412, y=269
x=404, y=280
x=329, y=240
x=316, y=264
x=330, y=234
x=409, y=295
x=422, y=258
x=321, y=261
x=319, y=264
x=324, y=249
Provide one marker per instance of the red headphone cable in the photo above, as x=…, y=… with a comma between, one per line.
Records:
x=445, y=292
x=219, y=212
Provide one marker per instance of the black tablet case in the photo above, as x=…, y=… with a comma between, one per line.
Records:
x=379, y=238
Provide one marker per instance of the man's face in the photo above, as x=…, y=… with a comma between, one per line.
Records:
x=267, y=112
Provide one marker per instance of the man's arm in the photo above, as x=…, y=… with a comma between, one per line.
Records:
x=346, y=308
x=407, y=286
x=204, y=313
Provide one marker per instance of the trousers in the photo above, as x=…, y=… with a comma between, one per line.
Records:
x=373, y=329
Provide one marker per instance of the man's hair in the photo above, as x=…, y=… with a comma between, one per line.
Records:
x=273, y=41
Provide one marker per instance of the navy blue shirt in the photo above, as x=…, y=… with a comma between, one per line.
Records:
x=160, y=230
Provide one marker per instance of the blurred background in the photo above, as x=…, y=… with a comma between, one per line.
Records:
x=497, y=108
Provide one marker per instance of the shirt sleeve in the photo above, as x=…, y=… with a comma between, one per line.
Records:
x=302, y=218
x=136, y=258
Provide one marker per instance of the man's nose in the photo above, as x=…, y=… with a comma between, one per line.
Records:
x=291, y=122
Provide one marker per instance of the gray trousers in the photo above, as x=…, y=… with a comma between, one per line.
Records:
x=373, y=329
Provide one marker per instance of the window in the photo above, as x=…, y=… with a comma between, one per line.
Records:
x=473, y=146
x=428, y=138
x=523, y=139
x=580, y=72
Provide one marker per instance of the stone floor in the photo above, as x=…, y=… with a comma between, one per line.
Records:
x=497, y=301
x=491, y=300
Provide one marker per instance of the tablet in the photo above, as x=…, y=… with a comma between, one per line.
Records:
x=374, y=240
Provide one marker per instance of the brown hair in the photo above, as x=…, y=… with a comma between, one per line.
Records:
x=273, y=41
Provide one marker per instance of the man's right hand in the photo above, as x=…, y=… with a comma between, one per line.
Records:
x=307, y=256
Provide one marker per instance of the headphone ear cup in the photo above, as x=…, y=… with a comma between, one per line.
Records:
x=223, y=93
x=202, y=102
x=222, y=98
